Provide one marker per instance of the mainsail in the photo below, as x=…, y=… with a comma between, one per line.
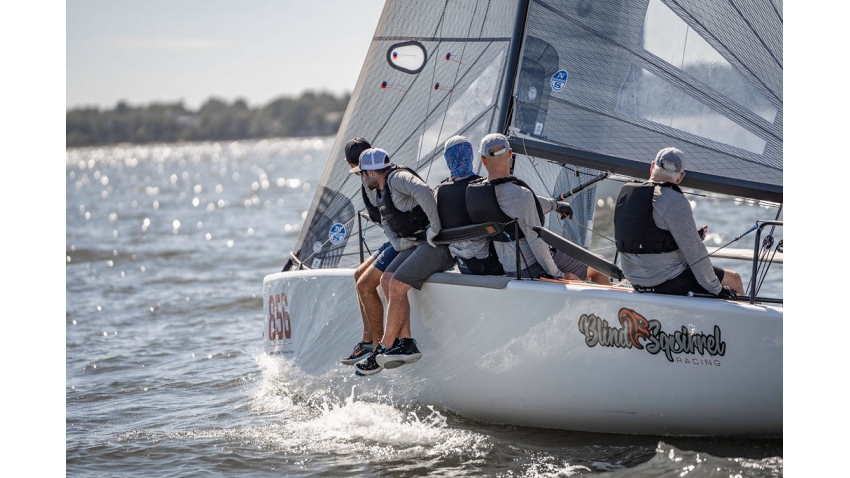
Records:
x=636, y=76
x=580, y=86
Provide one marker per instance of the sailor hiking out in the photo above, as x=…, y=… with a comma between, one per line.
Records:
x=410, y=220
x=368, y=275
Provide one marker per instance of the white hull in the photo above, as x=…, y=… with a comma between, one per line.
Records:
x=521, y=354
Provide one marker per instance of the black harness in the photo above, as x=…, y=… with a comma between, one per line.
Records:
x=483, y=206
x=634, y=229
x=374, y=213
x=451, y=202
x=403, y=223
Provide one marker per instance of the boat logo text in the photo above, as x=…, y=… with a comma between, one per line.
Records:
x=639, y=333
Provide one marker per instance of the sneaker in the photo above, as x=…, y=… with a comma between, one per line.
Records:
x=370, y=366
x=361, y=350
x=402, y=352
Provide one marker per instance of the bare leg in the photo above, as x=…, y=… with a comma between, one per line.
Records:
x=361, y=269
x=398, y=313
x=733, y=280
x=385, y=284
x=598, y=277
x=370, y=304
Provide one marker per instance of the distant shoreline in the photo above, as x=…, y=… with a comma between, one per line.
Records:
x=311, y=114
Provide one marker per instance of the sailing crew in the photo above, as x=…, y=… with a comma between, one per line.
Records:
x=367, y=277
x=660, y=248
x=410, y=220
x=474, y=256
x=503, y=197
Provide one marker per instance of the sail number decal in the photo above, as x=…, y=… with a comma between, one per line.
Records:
x=279, y=325
x=639, y=333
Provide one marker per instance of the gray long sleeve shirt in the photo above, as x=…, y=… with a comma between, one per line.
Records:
x=480, y=248
x=671, y=211
x=408, y=191
x=518, y=202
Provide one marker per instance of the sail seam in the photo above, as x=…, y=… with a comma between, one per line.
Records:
x=445, y=39
x=441, y=24
x=747, y=21
x=733, y=55
x=451, y=92
x=439, y=103
x=650, y=126
x=733, y=108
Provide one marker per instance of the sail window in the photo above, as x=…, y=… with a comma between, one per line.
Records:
x=668, y=37
x=409, y=57
x=647, y=96
x=465, y=107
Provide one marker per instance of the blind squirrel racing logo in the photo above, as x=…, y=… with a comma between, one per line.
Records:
x=639, y=333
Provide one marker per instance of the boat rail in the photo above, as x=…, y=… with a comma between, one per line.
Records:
x=758, y=247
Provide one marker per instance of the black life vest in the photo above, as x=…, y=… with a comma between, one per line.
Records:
x=374, y=213
x=634, y=229
x=483, y=206
x=451, y=202
x=403, y=223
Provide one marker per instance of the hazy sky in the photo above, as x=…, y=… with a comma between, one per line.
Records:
x=146, y=50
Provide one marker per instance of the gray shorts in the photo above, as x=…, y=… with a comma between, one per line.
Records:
x=414, y=266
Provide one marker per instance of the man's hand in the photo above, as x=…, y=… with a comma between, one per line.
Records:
x=727, y=293
x=702, y=231
x=564, y=209
x=407, y=243
x=430, y=235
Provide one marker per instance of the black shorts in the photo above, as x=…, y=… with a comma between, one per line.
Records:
x=682, y=284
x=489, y=266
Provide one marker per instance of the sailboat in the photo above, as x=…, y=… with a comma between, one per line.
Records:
x=583, y=90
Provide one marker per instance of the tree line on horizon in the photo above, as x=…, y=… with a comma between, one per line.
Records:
x=311, y=114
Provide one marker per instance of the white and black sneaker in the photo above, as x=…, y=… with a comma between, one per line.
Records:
x=369, y=366
x=403, y=351
x=361, y=351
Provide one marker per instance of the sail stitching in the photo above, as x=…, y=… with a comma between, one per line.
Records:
x=707, y=98
x=451, y=92
x=733, y=55
x=447, y=39
x=441, y=24
x=650, y=126
x=468, y=72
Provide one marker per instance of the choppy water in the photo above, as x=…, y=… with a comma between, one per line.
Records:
x=166, y=250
